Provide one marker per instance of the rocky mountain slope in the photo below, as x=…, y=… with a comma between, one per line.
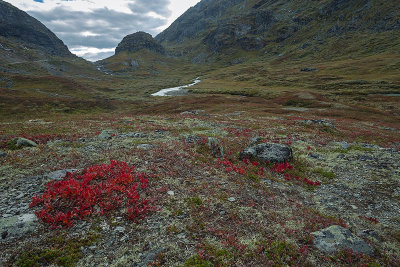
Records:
x=272, y=27
x=17, y=25
x=27, y=47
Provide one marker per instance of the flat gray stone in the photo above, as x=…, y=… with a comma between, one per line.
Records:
x=144, y=146
x=335, y=238
x=58, y=175
x=120, y=229
x=134, y=135
x=271, y=152
x=17, y=226
x=105, y=135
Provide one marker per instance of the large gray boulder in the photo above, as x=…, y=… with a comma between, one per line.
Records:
x=274, y=153
x=335, y=238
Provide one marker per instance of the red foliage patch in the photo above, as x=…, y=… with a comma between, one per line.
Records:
x=98, y=190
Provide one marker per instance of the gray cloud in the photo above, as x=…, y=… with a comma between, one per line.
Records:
x=106, y=27
x=144, y=6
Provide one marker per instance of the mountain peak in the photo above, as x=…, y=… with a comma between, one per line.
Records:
x=138, y=41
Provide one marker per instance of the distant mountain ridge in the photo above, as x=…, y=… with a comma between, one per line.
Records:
x=17, y=25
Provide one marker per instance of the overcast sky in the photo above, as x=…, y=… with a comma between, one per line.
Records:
x=93, y=28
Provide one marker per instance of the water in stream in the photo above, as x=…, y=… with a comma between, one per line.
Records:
x=180, y=90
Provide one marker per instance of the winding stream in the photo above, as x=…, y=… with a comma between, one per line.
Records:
x=175, y=91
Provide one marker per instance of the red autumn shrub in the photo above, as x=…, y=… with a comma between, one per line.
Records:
x=98, y=190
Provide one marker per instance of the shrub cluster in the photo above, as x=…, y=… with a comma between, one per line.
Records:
x=97, y=190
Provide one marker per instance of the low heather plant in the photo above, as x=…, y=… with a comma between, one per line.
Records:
x=98, y=190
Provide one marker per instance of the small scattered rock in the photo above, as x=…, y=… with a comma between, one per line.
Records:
x=134, y=135
x=369, y=233
x=144, y=146
x=217, y=150
x=232, y=199
x=235, y=114
x=308, y=69
x=23, y=142
x=335, y=237
x=160, y=131
x=120, y=229
x=192, y=139
x=271, y=152
x=58, y=175
x=181, y=236
x=192, y=112
x=365, y=158
x=3, y=154
x=35, y=121
x=171, y=193
x=105, y=135
x=4, y=235
x=321, y=122
x=314, y=155
x=345, y=145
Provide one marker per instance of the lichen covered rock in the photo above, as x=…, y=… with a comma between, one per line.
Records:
x=274, y=153
x=335, y=238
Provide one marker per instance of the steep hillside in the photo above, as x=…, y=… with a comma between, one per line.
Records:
x=322, y=29
x=17, y=25
x=27, y=47
x=38, y=74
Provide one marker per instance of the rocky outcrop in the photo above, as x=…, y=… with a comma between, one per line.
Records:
x=17, y=24
x=23, y=142
x=138, y=41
